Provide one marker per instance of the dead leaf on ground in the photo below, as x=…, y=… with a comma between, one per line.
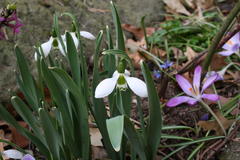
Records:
x=205, y=4
x=17, y=138
x=98, y=153
x=218, y=62
x=190, y=53
x=97, y=10
x=96, y=137
x=213, y=125
x=138, y=31
x=175, y=6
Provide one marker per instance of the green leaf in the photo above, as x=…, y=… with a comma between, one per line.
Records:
x=167, y=136
x=115, y=130
x=4, y=114
x=27, y=115
x=73, y=59
x=27, y=81
x=135, y=140
x=176, y=127
x=51, y=135
x=119, y=33
x=154, y=126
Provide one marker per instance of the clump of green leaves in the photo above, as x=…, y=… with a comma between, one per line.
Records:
x=182, y=32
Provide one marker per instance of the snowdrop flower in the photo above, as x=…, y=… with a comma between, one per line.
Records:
x=231, y=46
x=121, y=81
x=54, y=42
x=193, y=91
x=15, y=154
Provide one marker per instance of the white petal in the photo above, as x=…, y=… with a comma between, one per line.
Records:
x=105, y=87
x=87, y=35
x=12, y=153
x=137, y=86
x=61, y=48
x=46, y=47
x=75, y=39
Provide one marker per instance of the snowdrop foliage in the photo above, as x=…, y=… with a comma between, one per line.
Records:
x=121, y=81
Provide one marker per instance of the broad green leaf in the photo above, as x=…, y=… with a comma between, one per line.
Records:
x=154, y=125
x=73, y=59
x=115, y=130
x=135, y=140
x=118, y=28
x=4, y=114
x=27, y=115
x=27, y=81
x=51, y=135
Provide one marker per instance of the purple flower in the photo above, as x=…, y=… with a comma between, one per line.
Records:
x=157, y=74
x=204, y=117
x=166, y=65
x=2, y=19
x=231, y=46
x=28, y=157
x=15, y=154
x=16, y=25
x=193, y=90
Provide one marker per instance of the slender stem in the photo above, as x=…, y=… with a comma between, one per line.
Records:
x=214, y=115
x=220, y=34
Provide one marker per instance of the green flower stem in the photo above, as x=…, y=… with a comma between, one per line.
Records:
x=214, y=115
x=212, y=48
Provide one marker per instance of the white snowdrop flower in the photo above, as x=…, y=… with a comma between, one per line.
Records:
x=87, y=35
x=121, y=81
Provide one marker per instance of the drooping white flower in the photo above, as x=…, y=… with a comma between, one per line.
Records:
x=121, y=81
x=15, y=154
x=54, y=43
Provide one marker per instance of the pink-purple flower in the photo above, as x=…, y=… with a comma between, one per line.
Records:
x=193, y=91
x=231, y=46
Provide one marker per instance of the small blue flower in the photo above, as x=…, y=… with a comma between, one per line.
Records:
x=157, y=74
x=166, y=65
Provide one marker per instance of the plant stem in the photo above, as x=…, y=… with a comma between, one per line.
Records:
x=214, y=115
x=220, y=34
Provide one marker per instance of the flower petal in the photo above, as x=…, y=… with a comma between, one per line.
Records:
x=60, y=47
x=137, y=86
x=87, y=35
x=211, y=97
x=28, y=157
x=12, y=153
x=105, y=87
x=46, y=47
x=179, y=100
x=197, y=77
x=209, y=81
x=185, y=85
x=226, y=53
x=75, y=39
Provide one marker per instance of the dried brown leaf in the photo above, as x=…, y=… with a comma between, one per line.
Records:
x=175, y=6
x=96, y=137
x=137, y=31
x=213, y=125
x=190, y=53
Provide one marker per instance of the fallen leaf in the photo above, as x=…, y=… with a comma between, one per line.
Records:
x=96, y=137
x=17, y=138
x=189, y=3
x=138, y=31
x=205, y=4
x=97, y=10
x=175, y=6
x=218, y=62
x=213, y=125
x=99, y=153
x=190, y=53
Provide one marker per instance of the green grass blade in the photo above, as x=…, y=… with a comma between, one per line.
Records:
x=167, y=136
x=173, y=152
x=51, y=135
x=118, y=28
x=154, y=125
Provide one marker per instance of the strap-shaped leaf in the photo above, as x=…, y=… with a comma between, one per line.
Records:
x=154, y=126
x=73, y=59
x=119, y=33
x=50, y=133
x=4, y=114
x=27, y=81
